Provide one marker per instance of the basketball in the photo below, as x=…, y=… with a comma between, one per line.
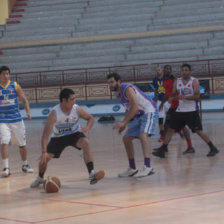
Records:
x=52, y=184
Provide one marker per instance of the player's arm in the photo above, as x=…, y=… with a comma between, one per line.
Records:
x=86, y=116
x=131, y=96
x=24, y=100
x=165, y=98
x=47, y=130
x=196, y=88
x=155, y=91
x=155, y=95
x=174, y=92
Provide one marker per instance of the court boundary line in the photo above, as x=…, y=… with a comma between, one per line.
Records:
x=118, y=207
x=62, y=201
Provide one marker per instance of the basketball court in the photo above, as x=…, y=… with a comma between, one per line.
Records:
x=184, y=189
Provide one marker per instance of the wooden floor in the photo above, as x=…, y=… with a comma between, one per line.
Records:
x=184, y=189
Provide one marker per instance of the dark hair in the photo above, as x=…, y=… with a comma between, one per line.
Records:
x=4, y=68
x=186, y=65
x=169, y=66
x=114, y=75
x=65, y=93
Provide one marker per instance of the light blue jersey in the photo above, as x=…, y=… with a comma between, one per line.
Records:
x=146, y=119
x=9, y=107
x=145, y=104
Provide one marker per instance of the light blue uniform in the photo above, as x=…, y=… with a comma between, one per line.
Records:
x=146, y=119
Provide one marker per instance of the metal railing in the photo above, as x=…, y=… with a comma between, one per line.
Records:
x=88, y=80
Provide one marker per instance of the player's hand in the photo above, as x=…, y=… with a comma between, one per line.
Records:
x=84, y=129
x=43, y=158
x=121, y=130
x=121, y=126
x=180, y=97
x=29, y=116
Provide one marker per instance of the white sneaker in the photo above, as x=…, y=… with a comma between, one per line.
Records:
x=27, y=169
x=37, y=182
x=94, y=177
x=128, y=173
x=6, y=172
x=145, y=171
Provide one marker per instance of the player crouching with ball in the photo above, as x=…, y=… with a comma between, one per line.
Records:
x=63, y=119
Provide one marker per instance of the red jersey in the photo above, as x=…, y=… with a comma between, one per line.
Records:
x=168, y=85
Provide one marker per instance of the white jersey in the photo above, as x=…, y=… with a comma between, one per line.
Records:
x=66, y=124
x=186, y=89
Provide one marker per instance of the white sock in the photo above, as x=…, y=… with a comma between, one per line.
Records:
x=5, y=163
x=25, y=162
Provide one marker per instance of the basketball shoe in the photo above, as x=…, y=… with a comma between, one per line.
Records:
x=6, y=172
x=145, y=171
x=128, y=173
x=37, y=182
x=94, y=177
x=27, y=169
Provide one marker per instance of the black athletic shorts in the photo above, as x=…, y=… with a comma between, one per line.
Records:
x=58, y=144
x=191, y=119
x=169, y=115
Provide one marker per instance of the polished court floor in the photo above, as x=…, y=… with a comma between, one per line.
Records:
x=184, y=189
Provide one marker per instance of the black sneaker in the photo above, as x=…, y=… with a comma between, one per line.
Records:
x=6, y=172
x=213, y=152
x=157, y=149
x=189, y=150
x=160, y=152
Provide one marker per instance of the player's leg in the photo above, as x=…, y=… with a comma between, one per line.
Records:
x=131, y=171
x=5, y=136
x=19, y=136
x=176, y=124
x=195, y=124
x=42, y=169
x=23, y=153
x=131, y=133
x=187, y=136
x=161, y=120
x=147, y=128
x=213, y=150
x=54, y=149
x=82, y=142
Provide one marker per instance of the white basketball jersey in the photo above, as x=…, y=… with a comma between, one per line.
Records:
x=66, y=124
x=186, y=89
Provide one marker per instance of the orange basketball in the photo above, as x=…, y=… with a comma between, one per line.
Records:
x=52, y=184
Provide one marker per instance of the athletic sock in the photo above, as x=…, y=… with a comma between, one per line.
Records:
x=147, y=162
x=90, y=166
x=132, y=164
x=189, y=143
x=5, y=163
x=210, y=144
x=25, y=162
x=41, y=175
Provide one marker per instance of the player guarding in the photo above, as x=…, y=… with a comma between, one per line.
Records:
x=142, y=114
x=64, y=120
x=187, y=90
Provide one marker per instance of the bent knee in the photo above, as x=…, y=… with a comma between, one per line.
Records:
x=83, y=143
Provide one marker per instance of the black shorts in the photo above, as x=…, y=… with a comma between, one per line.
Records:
x=58, y=144
x=191, y=119
x=169, y=115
